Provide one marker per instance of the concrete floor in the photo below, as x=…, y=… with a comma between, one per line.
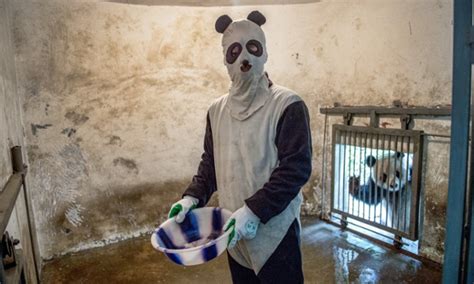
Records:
x=329, y=256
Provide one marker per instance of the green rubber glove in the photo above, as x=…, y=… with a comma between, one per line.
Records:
x=244, y=224
x=231, y=224
x=182, y=207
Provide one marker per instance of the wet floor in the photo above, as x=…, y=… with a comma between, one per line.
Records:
x=329, y=256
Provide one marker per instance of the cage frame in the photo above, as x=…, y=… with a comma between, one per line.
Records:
x=417, y=137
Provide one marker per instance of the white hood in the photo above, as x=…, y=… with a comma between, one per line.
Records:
x=245, y=55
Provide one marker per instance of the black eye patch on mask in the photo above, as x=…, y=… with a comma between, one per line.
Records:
x=233, y=52
x=254, y=47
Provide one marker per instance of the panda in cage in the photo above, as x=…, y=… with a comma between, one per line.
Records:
x=388, y=175
x=390, y=171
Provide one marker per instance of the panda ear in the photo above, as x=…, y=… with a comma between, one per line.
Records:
x=370, y=161
x=257, y=17
x=399, y=155
x=223, y=23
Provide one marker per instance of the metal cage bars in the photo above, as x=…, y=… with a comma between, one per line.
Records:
x=357, y=192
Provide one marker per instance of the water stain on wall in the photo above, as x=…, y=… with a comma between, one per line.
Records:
x=129, y=164
x=61, y=186
x=311, y=196
x=114, y=140
x=76, y=118
x=69, y=131
x=35, y=127
x=358, y=23
x=117, y=213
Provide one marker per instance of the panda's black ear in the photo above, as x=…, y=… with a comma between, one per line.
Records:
x=399, y=155
x=370, y=161
x=222, y=23
x=257, y=17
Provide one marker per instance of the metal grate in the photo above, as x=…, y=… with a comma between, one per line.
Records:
x=375, y=177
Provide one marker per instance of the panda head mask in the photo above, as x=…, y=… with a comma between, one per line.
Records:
x=245, y=55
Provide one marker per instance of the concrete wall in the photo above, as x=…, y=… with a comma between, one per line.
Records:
x=12, y=133
x=116, y=97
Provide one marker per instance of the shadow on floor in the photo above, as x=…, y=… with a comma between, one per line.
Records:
x=329, y=256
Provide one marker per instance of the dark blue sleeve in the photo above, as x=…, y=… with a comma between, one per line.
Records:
x=293, y=140
x=203, y=184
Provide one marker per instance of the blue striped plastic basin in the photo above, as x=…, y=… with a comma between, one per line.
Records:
x=198, y=239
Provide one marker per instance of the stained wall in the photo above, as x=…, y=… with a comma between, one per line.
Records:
x=115, y=98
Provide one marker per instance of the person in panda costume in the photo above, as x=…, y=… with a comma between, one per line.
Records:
x=257, y=153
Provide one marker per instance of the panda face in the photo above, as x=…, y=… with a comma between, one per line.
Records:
x=391, y=183
x=243, y=44
x=389, y=171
